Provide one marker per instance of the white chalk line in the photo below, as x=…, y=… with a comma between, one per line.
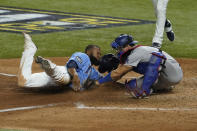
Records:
x=82, y=106
x=10, y=75
x=29, y=107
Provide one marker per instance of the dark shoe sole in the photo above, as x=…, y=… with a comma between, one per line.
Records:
x=170, y=35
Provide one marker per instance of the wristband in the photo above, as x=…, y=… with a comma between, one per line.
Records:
x=105, y=79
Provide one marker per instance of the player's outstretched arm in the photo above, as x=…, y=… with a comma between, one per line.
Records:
x=116, y=74
x=120, y=72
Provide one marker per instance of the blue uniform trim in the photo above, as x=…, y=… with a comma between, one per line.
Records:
x=105, y=79
x=141, y=67
x=72, y=64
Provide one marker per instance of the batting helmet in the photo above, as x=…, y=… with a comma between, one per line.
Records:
x=123, y=40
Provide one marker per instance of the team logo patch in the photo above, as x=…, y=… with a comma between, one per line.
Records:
x=79, y=59
x=40, y=21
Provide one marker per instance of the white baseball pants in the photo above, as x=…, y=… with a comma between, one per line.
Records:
x=160, y=7
x=59, y=76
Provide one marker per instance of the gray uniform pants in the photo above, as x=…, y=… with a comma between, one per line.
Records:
x=169, y=76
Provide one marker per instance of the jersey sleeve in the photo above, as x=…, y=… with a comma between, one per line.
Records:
x=83, y=64
x=77, y=59
x=72, y=64
x=134, y=58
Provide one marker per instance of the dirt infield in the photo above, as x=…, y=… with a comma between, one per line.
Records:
x=116, y=109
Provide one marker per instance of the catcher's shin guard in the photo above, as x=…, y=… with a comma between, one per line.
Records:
x=152, y=71
x=134, y=87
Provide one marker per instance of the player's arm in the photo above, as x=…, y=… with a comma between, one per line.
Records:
x=72, y=66
x=116, y=74
x=120, y=72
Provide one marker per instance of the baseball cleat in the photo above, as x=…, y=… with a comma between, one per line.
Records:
x=156, y=45
x=38, y=59
x=44, y=62
x=170, y=88
x=169, y=32
x=170, y=35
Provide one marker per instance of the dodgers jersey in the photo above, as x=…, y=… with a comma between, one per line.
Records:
x=84, y=68
x=140, y=56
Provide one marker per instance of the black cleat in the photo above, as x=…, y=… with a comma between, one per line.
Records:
x=156, y=45
x=44, y=62
x=38, y=59
x=168, y=27
x=170, y=35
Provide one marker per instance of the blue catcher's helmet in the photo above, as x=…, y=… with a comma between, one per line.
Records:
x=123, y=40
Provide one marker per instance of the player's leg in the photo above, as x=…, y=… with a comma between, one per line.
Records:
x=155, y=6
x=170, y=76
x=59, y=74
x=40, y=80
x=25, y=71
x=135, y=87
x=25, y=76
x=142, y=86
x=160, y=23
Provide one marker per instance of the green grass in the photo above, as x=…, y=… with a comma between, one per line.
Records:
x=182, y=13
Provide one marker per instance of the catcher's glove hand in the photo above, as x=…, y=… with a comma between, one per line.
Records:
x=108, y=63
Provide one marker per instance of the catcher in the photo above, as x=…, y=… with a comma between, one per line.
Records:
x=78, y=73
x=160, y=70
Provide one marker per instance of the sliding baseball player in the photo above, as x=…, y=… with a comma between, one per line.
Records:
x=78, y=73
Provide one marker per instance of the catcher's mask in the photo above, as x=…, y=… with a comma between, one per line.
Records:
x=122, y=41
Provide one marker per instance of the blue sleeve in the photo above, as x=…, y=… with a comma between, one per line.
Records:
x=105, y=79
x=95, y=75
x=72, y=64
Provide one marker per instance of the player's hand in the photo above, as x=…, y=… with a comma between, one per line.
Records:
x=76, y=88
x=97, y=83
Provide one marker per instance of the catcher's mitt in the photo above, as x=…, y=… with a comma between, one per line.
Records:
x=108, y=63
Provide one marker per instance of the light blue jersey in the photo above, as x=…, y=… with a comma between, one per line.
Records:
x=84, y=69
